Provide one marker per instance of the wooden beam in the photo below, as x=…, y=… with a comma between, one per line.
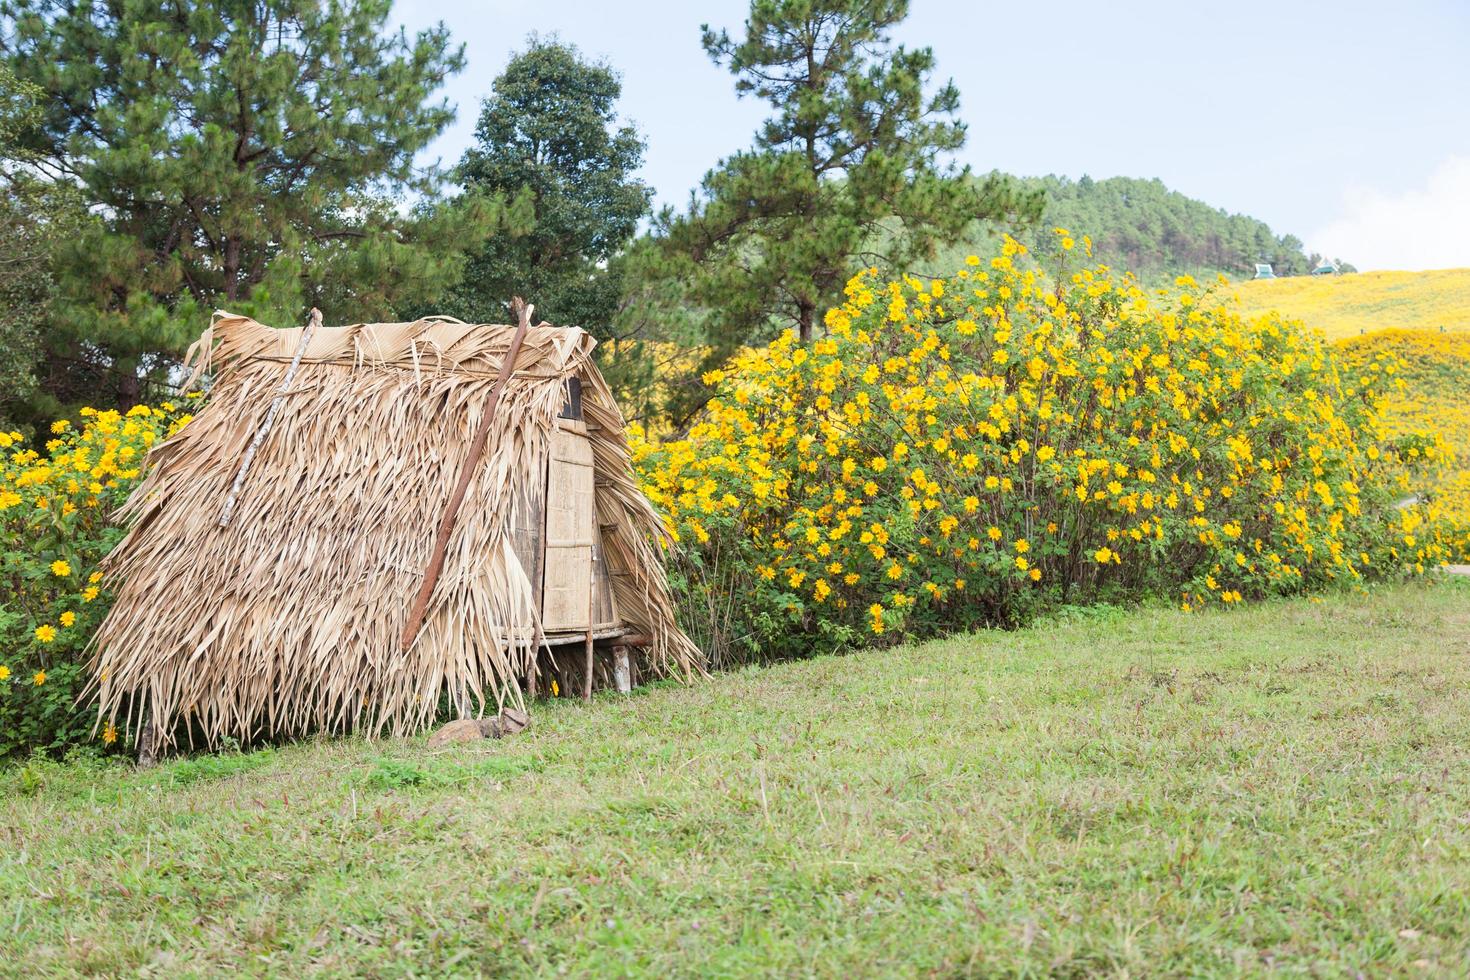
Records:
x=467, y=473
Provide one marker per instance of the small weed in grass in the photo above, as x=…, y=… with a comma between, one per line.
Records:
x=205, y=768
x=395, y=774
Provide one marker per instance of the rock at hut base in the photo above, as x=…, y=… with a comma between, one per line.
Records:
x=509, y=722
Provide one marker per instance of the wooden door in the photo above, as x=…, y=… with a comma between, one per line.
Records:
x=570, y=527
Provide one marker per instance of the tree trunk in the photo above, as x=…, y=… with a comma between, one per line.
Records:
x=232, y=268
x=129, y=387
x=805, y=316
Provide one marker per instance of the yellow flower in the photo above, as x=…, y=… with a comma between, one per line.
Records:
x=1036, y=575
x=89, y=593
x=68, y=618
x=1103, y=555
x=60, y=426
x=1022, y=563
x=109, y=734
x=60, y=568
x=993, y=533
x=45, y=633
x=1022, y=546
x=39, y=678
x=4, y=673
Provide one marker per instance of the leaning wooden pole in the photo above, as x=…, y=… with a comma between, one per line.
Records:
x=270, y=419
x=420, y=605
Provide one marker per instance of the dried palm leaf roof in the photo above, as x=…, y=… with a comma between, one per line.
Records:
x=288, y=619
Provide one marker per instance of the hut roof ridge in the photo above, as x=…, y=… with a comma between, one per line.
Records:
x=433, y=343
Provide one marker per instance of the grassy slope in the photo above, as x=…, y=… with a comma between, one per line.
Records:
x=1346, y=306
x=1152, y=792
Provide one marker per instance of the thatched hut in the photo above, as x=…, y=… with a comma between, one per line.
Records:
x=279, y=540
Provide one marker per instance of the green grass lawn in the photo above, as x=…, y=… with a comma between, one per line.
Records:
x=1285, y=786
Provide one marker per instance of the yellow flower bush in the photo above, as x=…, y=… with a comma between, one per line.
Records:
x=959, y=452
x=55, y=502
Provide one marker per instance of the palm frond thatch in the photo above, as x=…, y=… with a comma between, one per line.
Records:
x=288, y=619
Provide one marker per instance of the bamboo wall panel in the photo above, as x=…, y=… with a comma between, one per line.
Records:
x=604, y=612
x=570, y=526
x=529, y=530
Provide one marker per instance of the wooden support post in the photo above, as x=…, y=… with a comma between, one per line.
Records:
x=587, y=684
x=591, y=622
x=591, y=604
x=148, y=745
x=622, y=670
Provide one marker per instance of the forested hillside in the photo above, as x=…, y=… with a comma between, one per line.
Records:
x=1142, y=226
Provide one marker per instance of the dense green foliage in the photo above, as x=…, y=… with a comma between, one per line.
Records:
x=844, y=172
x=243, y=154
x=549, y=140
x=1157, y=234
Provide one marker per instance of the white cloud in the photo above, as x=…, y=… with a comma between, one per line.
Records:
x=1426, y=228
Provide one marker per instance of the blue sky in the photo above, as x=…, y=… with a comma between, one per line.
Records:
x=1346, y=123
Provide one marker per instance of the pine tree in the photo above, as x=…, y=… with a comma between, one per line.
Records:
x=845, y=172
x=35, y=217
x=250, y=154
x=549, y=140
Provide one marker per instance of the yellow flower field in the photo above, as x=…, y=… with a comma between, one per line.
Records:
x=1361, y=302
